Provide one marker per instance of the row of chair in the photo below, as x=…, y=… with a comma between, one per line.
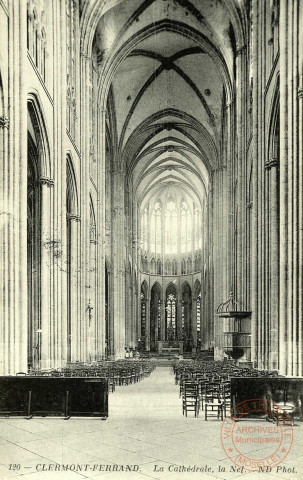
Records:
x=120, y=372
x=212, y=397
x=205, y=385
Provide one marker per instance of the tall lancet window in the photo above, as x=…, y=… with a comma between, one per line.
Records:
x=155, y=229
x=198, y=229
x=186, y=228
x=171, y=227
x=143, y=312
x=144, y=229
x=171, y=317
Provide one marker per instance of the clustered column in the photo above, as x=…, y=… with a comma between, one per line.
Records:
x=13, y=207
x=118, y=262
x=291, y=211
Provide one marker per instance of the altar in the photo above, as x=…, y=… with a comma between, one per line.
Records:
x=170, y=347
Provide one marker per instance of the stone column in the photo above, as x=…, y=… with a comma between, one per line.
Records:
x=45, y=185
x=218, y=246
x=284, y=300
x=179, y=314
x=300, y=189
x=255, y=206
x=100, y=236
x=86, y=129
x=92, y=347
x=274, y=267
x=58, y=155
x=136, y=302
x=75, y=326
x=128, y=307
x=139, y=312
x=118, y=262
x=163, y=311
x=135, y=263
x=240, y=173
x=194, y=321
x=13, y=183
x=5, y=221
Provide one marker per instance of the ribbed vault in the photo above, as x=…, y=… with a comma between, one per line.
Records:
x=168, y=83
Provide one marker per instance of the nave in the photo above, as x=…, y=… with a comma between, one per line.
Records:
x=145, y=427
x=151, y=181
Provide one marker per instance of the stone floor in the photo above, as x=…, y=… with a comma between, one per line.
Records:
x=145, y=430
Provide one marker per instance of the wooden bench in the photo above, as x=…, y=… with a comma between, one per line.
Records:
x=286, y=393
x=60, y=396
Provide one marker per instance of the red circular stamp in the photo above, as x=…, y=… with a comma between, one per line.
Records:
x=257, y=446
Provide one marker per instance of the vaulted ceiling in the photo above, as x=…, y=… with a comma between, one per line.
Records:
x=169, y=88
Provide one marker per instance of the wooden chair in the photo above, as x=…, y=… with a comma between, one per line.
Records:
x=213, y=402
x=226, y=398
x=190, y=398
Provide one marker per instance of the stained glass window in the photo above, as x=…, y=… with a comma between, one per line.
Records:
x=144, y=231
x=171, y=227
x=199, y=318
x=143, y=314
x=171, y=317
x=198, y=229
x=156, y=229
x=186, y=228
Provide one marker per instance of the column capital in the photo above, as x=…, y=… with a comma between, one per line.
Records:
x=4, y=121
x=228, y=105
x=73, y=216
x=103, y=110
x=117, y=169
x=221, y=168
x=271, y=164
x=45, y=181
x=241, y=50
x=86, y=57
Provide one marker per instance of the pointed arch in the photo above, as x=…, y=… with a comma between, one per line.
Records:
x=155, y=315
x=186, y=316
x=39, y=132
x=72, y=203
x=38, y=174
x=274, y=124
x=144, y=288
x=171, y=312
x=189, y=265
x=197, y=288
x=92, y=220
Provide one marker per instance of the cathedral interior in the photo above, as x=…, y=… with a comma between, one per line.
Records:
x=151, y=181
x=151, y=213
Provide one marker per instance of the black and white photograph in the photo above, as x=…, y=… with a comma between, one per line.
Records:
x=151, y=239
